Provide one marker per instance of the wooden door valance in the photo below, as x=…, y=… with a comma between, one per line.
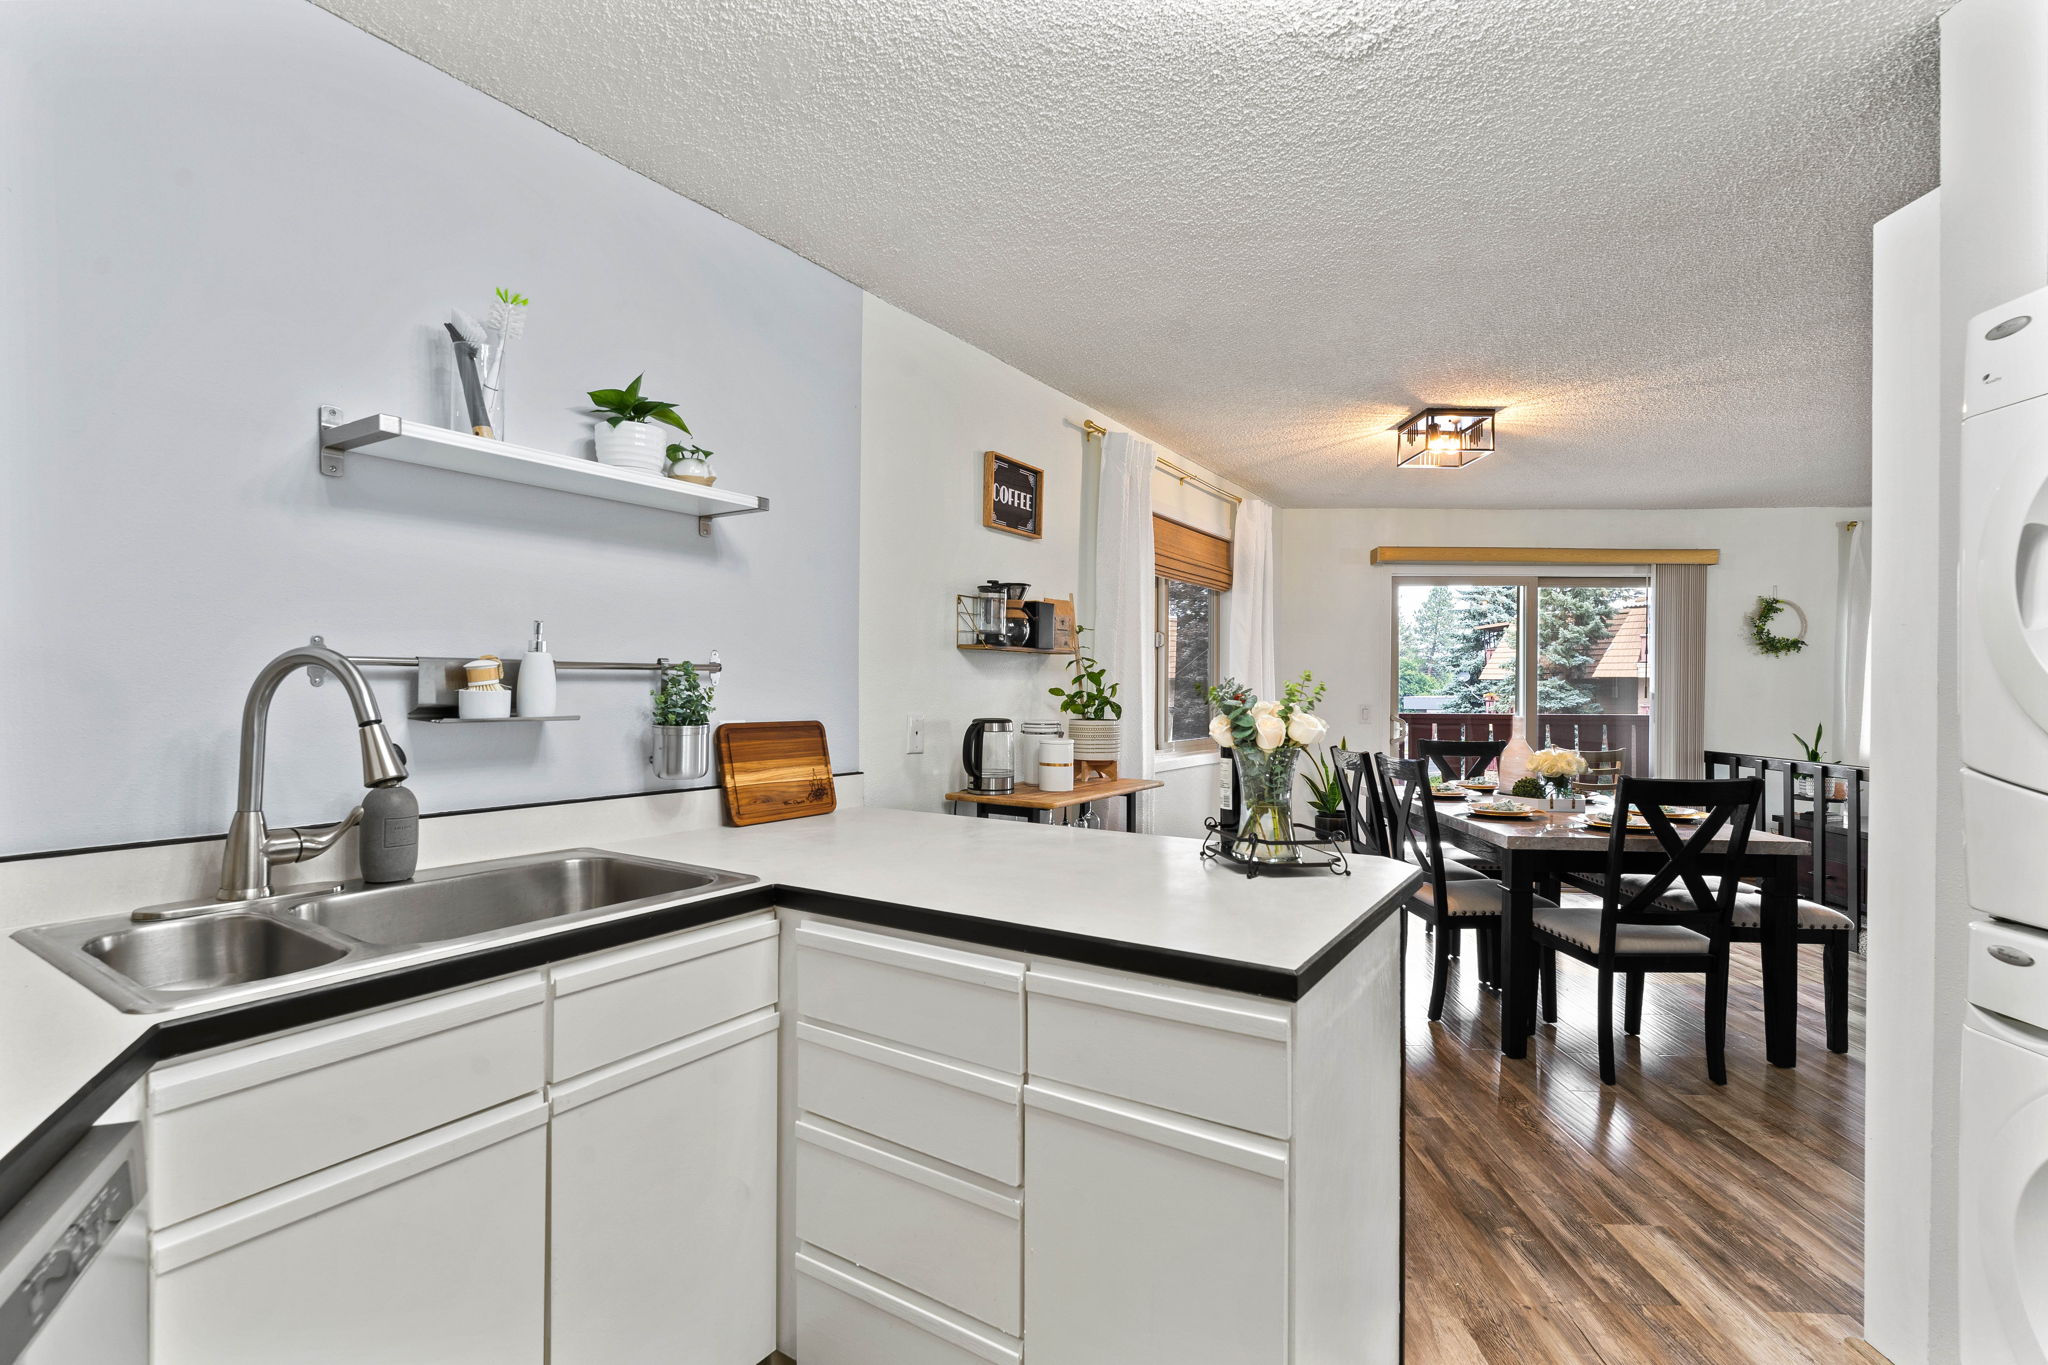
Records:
x=1534, y=554
x=1189, y=555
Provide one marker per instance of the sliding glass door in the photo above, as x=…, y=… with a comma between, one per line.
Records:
x=1460, y=648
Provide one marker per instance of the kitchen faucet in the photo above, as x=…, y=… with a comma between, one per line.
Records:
x=251, y=846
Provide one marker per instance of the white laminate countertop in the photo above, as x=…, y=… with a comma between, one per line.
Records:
x=1150, y=892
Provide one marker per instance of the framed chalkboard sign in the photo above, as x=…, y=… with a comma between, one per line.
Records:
x=1012, y=494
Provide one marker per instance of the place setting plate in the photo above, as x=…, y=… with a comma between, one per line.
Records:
x=1517, y=812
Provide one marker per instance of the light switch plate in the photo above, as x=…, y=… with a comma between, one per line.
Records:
x=913, y=735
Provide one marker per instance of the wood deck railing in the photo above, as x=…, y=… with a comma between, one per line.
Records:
x=1568, y=730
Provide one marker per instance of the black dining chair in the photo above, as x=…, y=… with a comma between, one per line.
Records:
x=1821, y=926
x=1364, y=819
x=1448, y=903
x=1676, y=919
x=1460, y=760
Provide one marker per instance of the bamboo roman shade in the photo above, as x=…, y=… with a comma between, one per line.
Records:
x=1189, y=555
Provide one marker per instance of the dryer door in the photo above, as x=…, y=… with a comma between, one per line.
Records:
x=2003, y=593
x=2005, y=1193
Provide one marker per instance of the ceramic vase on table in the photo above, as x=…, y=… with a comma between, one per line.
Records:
x=1265, y=779
x=1095, y=741
x=632, y=445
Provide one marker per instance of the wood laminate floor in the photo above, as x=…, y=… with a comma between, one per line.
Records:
x=1551, y=1219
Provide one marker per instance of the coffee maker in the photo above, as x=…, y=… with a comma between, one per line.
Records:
x=988, y=753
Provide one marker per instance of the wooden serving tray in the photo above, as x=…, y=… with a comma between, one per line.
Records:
x=775, y=770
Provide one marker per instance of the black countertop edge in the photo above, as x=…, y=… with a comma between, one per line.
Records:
x=176, y=1036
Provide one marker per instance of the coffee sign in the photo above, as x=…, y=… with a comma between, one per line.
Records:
x=1012, y=494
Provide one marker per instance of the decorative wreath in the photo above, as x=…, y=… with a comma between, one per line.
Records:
x=1768, y=642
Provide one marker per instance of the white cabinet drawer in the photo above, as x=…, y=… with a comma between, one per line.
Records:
x=935, y=999
x=613, y=1005
x=967, y=1116
x=953, y=1239
x=229, y=1125
x=433, y=1249
x=1214, y=1056
x=846, y=1316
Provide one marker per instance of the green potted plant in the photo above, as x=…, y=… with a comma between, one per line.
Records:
x=1097, y=715
x=626, y=433
x=1326, y=791
x=691, y=464
x=1802, y=783
x=1265, y=739
x=682, y=724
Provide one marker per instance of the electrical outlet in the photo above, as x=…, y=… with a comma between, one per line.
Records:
x=1365, y=715
x=913, y=735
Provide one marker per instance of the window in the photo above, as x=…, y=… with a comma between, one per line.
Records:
x=1192, y=571
x=1459, y=645
x=1187, y=616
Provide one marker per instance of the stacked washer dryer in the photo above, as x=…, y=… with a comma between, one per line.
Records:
x=2003, y=694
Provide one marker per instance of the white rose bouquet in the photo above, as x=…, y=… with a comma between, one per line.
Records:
x=1247, y=721
x=1557, y=767
x=1267, y=736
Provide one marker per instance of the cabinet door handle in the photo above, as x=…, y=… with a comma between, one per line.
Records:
x=2011, y=957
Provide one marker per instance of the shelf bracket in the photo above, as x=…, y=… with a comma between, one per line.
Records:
x=337, y=437
x=705, y=519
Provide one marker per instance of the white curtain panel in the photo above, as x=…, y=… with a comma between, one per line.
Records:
x=1678, y=669
x=1248, y=646
x=1851, y=723
x=1121, y=631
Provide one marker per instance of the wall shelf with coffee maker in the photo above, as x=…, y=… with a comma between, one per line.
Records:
x=997, y=617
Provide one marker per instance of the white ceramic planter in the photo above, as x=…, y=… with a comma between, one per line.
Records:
x=693, y=471
x=1094, y=739
x=1562, y=803
x=632, y=445
x=681, y=752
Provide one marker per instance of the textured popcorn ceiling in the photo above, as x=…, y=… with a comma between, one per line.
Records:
x=1260, y=232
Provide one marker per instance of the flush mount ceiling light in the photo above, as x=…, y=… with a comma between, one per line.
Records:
x=1444, y=438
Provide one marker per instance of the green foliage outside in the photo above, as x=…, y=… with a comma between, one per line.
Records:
x=1444, y=645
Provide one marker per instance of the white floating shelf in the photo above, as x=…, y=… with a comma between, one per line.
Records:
x=396, y=438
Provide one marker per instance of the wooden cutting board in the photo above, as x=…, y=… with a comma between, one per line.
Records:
x=775, y=770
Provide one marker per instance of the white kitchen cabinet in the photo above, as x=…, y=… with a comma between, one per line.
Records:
x=848, y=1316
x=429, y=1250
x=663, y=1202
x=1150, y=1236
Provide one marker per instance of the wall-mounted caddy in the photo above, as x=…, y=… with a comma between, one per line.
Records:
x=440, y=678
x=399, y=438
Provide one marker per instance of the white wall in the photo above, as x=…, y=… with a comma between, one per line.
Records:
x=224, y=213
x=1909, y=1095
x=1336, y=607
x=930, y=405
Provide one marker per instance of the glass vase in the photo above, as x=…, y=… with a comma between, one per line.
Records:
x=1265, y=780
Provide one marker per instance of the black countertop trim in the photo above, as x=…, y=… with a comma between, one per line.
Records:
x=181, y=1036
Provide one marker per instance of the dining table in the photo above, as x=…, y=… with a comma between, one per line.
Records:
x=1536, y=854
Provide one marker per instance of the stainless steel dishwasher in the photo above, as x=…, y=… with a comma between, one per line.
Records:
x=74, y=1259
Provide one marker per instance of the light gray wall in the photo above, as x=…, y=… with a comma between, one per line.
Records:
x=224, y=213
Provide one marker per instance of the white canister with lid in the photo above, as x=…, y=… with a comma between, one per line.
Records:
x=1055, y=765
x=1028, y=735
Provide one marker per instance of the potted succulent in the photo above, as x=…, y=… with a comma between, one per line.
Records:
x=1097, y=715
x=682, y=724
x=691, y=464
x=626, y=434
x=1266, y=737
x=1326, y=791
x=1555, y=768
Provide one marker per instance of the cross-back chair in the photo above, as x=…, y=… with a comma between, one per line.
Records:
x=1448, y=902
x=1676, y=919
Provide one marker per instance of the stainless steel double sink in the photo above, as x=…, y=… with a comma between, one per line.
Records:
x=172, y=957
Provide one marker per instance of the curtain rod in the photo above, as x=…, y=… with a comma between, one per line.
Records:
x=1091, y=427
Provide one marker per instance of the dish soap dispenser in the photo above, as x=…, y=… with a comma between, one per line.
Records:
x=536, y=686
